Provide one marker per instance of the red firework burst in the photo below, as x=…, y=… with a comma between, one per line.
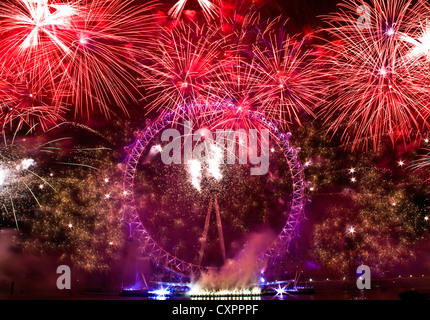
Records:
x=21, y=105
x=208, y=7
x=178, y=67
x=103, y=43
x=32, y=36
x=289, y=76
x=377, y=93
x=251, y=66
x=270, y=72
x=417, y=39
x=84, y=51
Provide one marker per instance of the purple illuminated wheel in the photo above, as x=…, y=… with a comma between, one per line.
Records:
x=149, y=245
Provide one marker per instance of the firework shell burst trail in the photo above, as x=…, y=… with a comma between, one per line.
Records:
x=278, y=76
x=104, y=48
x=379, y=94
x=178, y=68
x=21, y=106
x=208, y=7
x=20, y=176
x=255, y=66
x=32, y=36
x=417, y=39
x=79, y=52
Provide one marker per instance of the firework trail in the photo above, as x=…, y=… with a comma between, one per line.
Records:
x=88, y=54
x=103, y=48
x=177, y=69
x=277, y=76
x=23, y=107
x=420, y=42
x=290, y=73
x=20, y=176
x=56, y=228
x=208, y=7
x=195, y=172
x=29, y=178
x=79, y=52
x=422, y=164
x=33, y=36
x=208, y=165
x=255, y=66
x=417, y=39
x=378, y=94
x=29, y=54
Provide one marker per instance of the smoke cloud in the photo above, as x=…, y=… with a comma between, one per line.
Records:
x=243, y=271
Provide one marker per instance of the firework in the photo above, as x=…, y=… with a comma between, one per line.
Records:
x=21, y=106
x=213, y=163
x=208, y=7
x=292, y=84
x=422, y=164
x=77, y=227
x=284, y=81
x=177, y=70
x=48, y=181
x=421, y=42
x=369, y=215
x=379, y=230
x=234, y=78
x=195, y=172
x=80, y=52
x=30, y=49
x=378, y=95
x=268, y=71
x=253, y=66
x=99, y=69
x=28, y=164
x=21, y=178
x=417, y=40
x=32, y=36
x=233, y=85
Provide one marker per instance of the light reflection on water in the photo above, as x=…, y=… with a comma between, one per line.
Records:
x=228, y=298
x=319, y=295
